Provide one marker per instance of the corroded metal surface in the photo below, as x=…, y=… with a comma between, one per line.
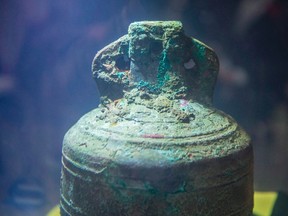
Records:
x=159, y=58
x=159, y=148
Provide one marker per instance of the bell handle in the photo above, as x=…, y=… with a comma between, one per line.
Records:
x=111, y=80
x=207, y=65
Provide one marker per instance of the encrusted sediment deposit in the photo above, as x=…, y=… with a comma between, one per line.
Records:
x=157, y=57
x=155, y=145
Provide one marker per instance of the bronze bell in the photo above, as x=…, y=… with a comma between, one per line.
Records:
x=155, y=145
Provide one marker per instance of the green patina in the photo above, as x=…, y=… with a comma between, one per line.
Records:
x=144, y=85
x=164, y=66
x=150, y=188
x=201, y=56
x=120, y=74
x=162, y=75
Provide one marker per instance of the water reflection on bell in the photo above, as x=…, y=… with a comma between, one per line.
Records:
x=155, y=146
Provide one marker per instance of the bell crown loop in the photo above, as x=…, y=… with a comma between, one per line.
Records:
x=157, y=57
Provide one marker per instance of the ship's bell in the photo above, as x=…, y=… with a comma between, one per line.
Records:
x=155, y=145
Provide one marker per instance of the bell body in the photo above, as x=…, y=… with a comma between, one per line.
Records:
x=149, y=163
x=156, y=152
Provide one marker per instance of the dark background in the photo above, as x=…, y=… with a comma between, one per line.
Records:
x=46, y=50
